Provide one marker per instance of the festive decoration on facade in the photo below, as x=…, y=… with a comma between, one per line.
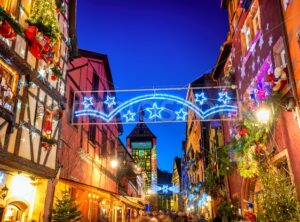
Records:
x=56, y=73
x=279, y=80
x=8, y=26
x=43, y=16
x=60, y=6
x=47, y=142
x=39, y=44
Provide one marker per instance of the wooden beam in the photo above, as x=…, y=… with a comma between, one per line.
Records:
x=29, y=166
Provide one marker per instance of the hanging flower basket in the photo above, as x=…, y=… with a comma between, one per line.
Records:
x=47, y=143
x=56, y=73
x=39, y=44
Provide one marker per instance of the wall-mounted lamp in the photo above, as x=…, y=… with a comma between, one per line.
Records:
x=4, y=192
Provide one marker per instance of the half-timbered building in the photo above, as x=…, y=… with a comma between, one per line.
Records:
x=33, y=64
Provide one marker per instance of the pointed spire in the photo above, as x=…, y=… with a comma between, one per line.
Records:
x=141, y=114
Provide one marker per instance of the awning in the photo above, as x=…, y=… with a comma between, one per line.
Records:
x=99, y=191
x=130, y=202
x=134, y=202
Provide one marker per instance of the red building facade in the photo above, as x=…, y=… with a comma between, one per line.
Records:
x=257, y=60
x=87, y=150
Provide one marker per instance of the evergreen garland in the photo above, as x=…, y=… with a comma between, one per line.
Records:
x=65, y=209
x=43, y=16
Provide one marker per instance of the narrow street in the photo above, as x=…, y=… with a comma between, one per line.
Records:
x=149, y=111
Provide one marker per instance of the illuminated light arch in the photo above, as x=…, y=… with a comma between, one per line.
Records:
x=203, y=114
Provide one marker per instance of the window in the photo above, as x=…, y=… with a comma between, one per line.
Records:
x=72, y=118
x=251, y=28
x=112, y=147
x=8, y=86
x=279, y=54
x=92, y=130
x=104, y=144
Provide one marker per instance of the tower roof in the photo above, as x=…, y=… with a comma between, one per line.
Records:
x=141, y=130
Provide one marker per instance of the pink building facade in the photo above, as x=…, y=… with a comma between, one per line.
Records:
x=87, y=150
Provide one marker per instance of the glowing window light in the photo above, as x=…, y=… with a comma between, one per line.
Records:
x=21, y=187
x=114, y=163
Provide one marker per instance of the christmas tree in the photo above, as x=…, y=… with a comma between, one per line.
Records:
x=65, y=209
x=278, y=201
x=44, y=16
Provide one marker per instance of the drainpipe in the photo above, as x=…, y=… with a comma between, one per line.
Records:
x=289, y=65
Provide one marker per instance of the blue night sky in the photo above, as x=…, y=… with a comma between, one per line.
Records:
x=154, y=43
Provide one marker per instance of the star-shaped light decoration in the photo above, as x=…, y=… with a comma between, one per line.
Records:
x=42, y=74
x=155, y=111
x=110, y=101
x=200, y=98
x=243, y=71
x=129, y=116
x=270, y=40
x=258, y=60
x=223, y=97
x=261, y=42
x=165, y=188
x=181, y=115
x=87, y=102
x=253, y=66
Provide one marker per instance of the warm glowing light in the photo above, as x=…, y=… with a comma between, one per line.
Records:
x=114, y=163
x=208, y=198
x=263, y=114
x=22, y=187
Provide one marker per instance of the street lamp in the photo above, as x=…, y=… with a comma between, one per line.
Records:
x=4, y=192
x=263, y=114
x=114, y=163
x=149, y=191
